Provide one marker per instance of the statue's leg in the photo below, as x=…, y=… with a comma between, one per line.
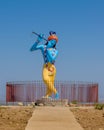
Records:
x=48, y=91
x=52, y=76
x=46, y=79
x=49, y=73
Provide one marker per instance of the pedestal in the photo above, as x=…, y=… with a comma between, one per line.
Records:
x=51, y=102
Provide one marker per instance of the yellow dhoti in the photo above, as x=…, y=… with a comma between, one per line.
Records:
x=49, y=73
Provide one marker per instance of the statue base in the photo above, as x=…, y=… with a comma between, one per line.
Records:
x=51, y=102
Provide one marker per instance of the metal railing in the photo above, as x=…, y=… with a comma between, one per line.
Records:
x=82, y=92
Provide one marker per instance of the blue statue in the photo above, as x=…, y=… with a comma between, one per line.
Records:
x=49, y=53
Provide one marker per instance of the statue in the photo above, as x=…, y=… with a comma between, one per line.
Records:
x=49, y=53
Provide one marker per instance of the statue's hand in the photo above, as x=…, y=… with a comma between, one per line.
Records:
x=40, y=38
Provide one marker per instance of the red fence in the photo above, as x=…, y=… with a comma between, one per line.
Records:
x=31, y=91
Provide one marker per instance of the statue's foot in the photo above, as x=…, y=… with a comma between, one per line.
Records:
x=57, y=95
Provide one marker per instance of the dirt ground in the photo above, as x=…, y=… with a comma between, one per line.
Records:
x=14, y=118
x=89, y=118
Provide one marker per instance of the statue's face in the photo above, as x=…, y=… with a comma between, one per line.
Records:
x=51, y=43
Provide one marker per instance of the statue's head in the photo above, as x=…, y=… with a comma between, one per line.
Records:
x=52, y=39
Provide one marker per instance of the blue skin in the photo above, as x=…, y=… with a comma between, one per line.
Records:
x=50, y=51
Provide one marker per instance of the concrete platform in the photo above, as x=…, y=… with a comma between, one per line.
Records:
x=52, y=102
x=53, y=118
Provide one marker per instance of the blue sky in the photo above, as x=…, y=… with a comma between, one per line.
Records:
x=79, y=25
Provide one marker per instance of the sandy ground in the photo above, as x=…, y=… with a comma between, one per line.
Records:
x=89, y=118
x=16, y=118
